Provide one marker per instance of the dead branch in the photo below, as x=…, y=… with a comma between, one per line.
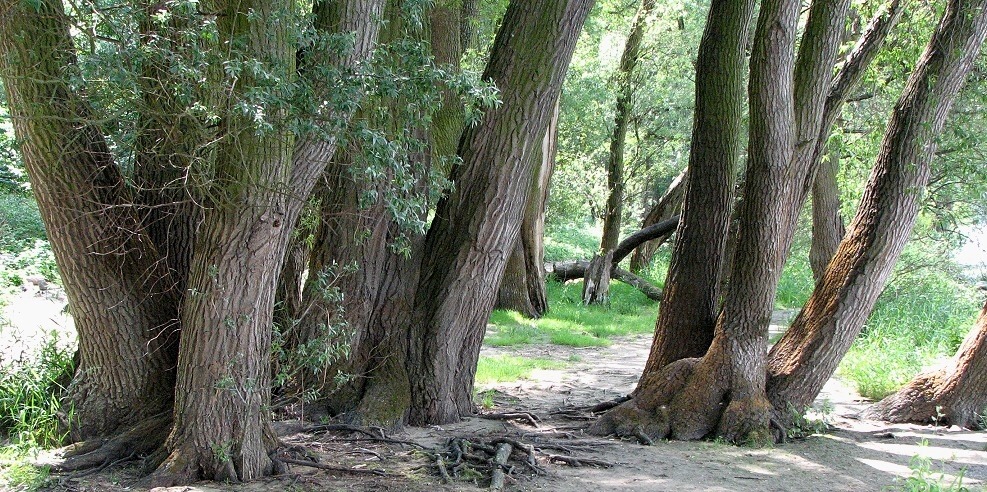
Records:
x=337, y=469
x=525, y=416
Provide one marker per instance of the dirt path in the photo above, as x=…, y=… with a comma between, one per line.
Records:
x=855, y=455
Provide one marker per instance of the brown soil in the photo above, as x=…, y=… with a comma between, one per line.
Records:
x=853, y=455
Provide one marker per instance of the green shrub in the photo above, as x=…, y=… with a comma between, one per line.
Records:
x=20, y=223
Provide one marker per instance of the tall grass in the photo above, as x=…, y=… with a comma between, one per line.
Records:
x=509, y=368
x=29, y=397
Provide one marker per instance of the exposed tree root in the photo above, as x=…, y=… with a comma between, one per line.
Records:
x=141, y=440
x=491, y=459
x=529, y=418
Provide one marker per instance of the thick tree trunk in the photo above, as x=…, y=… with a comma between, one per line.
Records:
x=475, y=227
x=725, y=392
x=665, y=208
x=692, y=289
x=523, y=287
x=120, y=293
x=955, y=394
x=827, y=220
x=806, y=356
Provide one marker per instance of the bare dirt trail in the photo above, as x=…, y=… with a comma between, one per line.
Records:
x=854, y=455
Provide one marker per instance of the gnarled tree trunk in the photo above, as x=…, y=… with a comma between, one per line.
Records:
x=692, y=289
x=955, y=394
x=124, y=309
x=523, y=287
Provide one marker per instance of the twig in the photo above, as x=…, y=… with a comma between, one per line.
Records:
x=442, y=469
x=340, y=469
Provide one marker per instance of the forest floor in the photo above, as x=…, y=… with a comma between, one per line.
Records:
x=852, y=454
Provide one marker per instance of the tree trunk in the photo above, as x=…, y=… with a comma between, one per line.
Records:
x=807, y=355
x=222, y=421
x=596, y=287
x=688, y=313
x=523, y=286
x=667, y=206
x=475, y=227
x=827, y=221
x=955, y=394
x=123, y=307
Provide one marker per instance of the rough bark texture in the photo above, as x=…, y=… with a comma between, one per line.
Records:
x=688, y=313
x=827, y=224
x=955, y=394
x=806, y=356
x=475, y=227
x=523, y=287
x=667, y=206
x=119, y=291
x=827, y=220
x=222, y=422
x=732, y=373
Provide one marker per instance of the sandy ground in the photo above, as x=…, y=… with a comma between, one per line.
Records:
x=854, y=455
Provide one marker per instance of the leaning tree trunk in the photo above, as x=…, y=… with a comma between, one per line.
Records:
x=955, y=394
x=692, y=289
x=596, y=285
x=123, y=309
x=807, y=355
x=827, y=222
x=523, y=287
x=665, y=208
x=467, y=245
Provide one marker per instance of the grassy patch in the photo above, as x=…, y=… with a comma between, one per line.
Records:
x=568, y=322
x=17, y=473
x=29, y=397
x=503, y=368
x=20, y=223
x=571, y=243
x=919, y=320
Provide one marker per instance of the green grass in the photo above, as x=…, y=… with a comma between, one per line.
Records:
x=571, y=243
x=918, y=321
x=505, y=368
x=29, y=397
x=570, y=323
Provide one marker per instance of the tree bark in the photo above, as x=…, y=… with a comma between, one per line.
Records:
x=523, y=287
x=467, y=245
x=688, y=314
x=564, y=271
x=827, y=220
x=827, y=223
x=955, y=394
x=667, y=206
x=806, y=356
x=222, y=418
x=124, y=310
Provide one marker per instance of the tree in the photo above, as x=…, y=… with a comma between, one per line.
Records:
x=951, y=395
x=667, y=206
x=807, y=355
x=475, y=227
x=244, y=162
x=688, y=313
x=596, y=284
x=523, y=286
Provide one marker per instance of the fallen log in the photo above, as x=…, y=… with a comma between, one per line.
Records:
x=576, y=269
